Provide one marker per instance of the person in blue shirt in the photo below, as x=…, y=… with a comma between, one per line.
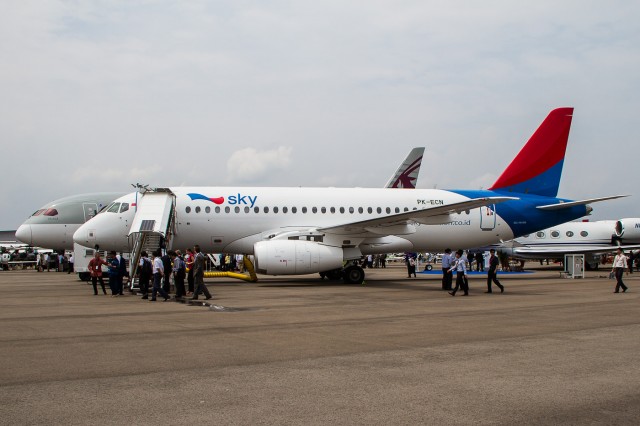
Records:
x=447, y=278
x=114, y=274
x=460, y=266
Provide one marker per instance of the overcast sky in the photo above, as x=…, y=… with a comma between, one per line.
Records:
x=96, y=95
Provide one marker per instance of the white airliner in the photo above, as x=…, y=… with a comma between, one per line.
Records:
x=309, y=230
x=53, y=225
x=588, y=238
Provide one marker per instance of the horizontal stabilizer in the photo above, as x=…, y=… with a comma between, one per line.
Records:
x=566, y=205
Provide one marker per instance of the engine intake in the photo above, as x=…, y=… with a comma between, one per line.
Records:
x=291, y=257
x=628, y=230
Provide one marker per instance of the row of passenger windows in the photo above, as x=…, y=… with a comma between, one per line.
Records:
x=304, y=210
x=556, y=234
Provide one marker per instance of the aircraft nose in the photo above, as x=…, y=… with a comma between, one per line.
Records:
x=24, y=234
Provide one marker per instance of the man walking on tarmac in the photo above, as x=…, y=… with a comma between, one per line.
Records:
x=491, y=274
x=198, y=274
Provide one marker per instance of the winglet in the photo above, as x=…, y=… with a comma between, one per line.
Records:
x=538, y=166
x=407, y=174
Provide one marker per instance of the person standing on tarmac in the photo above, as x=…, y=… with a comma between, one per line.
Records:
x=179, y=274
x=95, y=270
x=447, y=278
x=189, y=261
x=491, y=274
x=158, y=273
x=619, y=263
x=460, y=265
x=144, y=274
x=114, y=274
x=198, y=274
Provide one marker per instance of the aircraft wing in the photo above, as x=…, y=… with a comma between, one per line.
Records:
x=569, y=249
x=402, y=223
x=563, y=205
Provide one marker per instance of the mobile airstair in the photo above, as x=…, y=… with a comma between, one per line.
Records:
x=153, y=226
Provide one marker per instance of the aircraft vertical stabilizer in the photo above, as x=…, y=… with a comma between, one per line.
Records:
x=538, y=166
x=407, y=174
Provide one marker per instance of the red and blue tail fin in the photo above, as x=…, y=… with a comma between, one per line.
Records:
x=538, y=166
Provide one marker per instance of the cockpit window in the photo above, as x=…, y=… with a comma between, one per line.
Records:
x=50, y=212
x=113, y=208
x=103, y=209
x=124, y=208
x=38, y=213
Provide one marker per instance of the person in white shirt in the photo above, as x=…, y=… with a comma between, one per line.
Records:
x=460, y=266
x=158, y=273
x=619, y=263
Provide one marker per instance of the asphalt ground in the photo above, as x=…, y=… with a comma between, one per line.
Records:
x=297, y=350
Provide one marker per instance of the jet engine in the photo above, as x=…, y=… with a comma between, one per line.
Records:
x=290, y=257
x=628, y=230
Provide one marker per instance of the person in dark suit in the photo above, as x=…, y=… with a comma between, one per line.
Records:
x=491, y=274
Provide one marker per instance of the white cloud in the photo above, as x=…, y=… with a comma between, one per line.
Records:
x=250, y=165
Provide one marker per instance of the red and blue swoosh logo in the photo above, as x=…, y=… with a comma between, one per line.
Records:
x=194, y=196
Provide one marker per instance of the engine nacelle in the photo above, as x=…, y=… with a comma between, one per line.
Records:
x=628, y=230
x=291, y=257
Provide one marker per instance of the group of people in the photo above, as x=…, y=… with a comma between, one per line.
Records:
x=154, y=274
x=458, y=263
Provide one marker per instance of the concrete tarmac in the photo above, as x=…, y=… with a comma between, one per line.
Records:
x=302, y=351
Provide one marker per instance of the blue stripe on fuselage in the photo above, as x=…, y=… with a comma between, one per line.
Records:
x=522, y=216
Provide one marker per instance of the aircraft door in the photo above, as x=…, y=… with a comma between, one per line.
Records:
x=90, y=210
x=488, y=217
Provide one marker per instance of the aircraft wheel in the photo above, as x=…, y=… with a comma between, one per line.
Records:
x=428, y=268
x=353, y=275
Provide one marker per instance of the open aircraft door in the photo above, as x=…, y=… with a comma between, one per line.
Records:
x=488, y=217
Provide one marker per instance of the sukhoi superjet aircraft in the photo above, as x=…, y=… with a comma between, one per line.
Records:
x=310, y=230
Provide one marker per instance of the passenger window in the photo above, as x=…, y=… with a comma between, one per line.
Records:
x=124, y=207
x=341, y=209
x=351, y=210
x=113, y=209
x=397, y=209
x=247, y=209
x=188, y=209
x=294, y=210
x=388, y=209
x=584, y=234
x=284, y=210
x=323, y=210
x=198, y=209
x=237, y=209
x=569, y=234
x=227, y=209
x=207, y=209
x=333, y=210
x=555, y=234
x=540, y=234
x=314, y=210
x=369, y=210
x=275, y=210
x=266, y=209
x=256, y=209
x=304, y=210
x=360, y=210
x=217, y=209
x=379, y=210
x=406, y=209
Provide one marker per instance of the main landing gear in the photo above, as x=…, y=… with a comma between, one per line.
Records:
x=352, y=274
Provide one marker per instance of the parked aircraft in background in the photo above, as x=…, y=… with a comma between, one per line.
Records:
x=53, y=225
x=589, y=238
x=309, y=230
